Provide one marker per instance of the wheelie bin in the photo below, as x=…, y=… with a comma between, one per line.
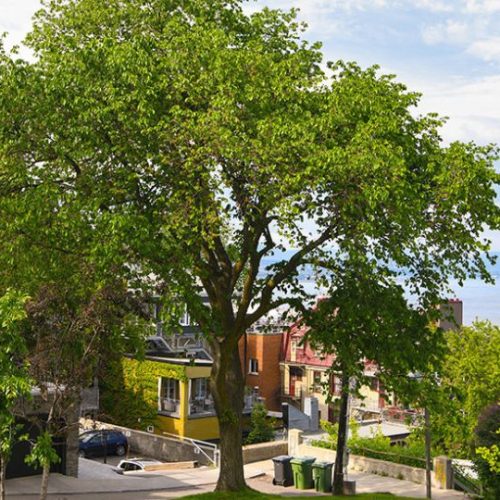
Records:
x=302, y=472
x=283, y=470
x=322, y=476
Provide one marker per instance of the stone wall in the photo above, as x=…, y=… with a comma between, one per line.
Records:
x=151, y=445
x=264, y=451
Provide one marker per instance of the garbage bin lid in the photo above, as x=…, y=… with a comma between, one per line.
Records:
x=303, y=460
x=323, y=465
x=282, y=458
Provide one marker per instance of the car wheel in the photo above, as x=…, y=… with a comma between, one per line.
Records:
x=120, y=450
x=82, y=454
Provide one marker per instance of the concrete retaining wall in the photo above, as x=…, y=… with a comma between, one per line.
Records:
x=264, y=451
x=154, y=446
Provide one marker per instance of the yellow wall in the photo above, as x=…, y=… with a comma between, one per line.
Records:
x=196, y=428
x=202, y=428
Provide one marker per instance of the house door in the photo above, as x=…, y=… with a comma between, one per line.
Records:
x=295, y=376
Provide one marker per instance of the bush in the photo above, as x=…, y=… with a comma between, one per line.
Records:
x=377, y=446
x=262, y=427
x=488, y=438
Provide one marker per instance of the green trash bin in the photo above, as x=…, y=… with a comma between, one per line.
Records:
x=322, y=475
x=302, y=472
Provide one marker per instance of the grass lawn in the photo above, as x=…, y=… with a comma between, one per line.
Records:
x=255, y=495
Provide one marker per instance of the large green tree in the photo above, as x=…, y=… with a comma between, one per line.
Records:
x=188, y=141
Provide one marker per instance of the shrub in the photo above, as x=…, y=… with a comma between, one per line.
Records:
x=262, y=427
x=488, y=439
x=377, y=446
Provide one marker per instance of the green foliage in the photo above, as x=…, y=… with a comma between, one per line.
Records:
x=490, y=455
x=261, y=427
x=333, y=432
x=487, y=439
x=130, y=390
x=376, y=446
x=15, y=382
x=469, y=383
x=42, y=453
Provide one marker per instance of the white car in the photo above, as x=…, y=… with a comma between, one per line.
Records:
x=137, y=464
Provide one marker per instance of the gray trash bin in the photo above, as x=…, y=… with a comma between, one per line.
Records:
x=283, y=470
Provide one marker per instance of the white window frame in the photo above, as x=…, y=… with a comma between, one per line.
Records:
x=253, y=363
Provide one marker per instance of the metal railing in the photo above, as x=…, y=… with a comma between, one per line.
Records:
x=463, y=482
x=199, y=446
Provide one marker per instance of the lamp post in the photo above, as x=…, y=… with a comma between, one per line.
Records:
x=427, y=423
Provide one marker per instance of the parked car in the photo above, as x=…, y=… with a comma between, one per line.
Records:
x=102, y=442
x=135, y=464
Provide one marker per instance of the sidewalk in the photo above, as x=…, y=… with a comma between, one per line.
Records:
x=99, y=482
x=97, y=478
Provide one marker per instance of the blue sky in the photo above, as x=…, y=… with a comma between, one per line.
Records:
x=447, y=49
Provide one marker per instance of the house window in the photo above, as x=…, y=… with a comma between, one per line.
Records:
x=199, y=388
x=253, y=366
x=200, y=400
x=317, y=379
x=374, y=384
x=169, y=395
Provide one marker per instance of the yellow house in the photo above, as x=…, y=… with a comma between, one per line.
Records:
x=173, y=393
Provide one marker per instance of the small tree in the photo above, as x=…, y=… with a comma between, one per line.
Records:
x=366, y=316
x=43, y=455
x=14, y=379
x=262, y=428
x=70, y=330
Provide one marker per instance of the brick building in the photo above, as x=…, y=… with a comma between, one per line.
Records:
x=260, y=353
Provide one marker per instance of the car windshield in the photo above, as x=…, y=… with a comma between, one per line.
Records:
x=87, y=437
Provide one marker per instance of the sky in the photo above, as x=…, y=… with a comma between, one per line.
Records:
x=447, y=49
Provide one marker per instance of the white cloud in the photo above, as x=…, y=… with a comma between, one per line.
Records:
x=482, y=6
x=473, y=107
x=434, y=5
x=487, y=49
x=15, y=18
x=462, y=6
x=449, y=32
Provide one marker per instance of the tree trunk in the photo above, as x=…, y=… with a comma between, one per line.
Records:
x=227, y=389
x=45, y=481
x=338, y=472
x=3, y=466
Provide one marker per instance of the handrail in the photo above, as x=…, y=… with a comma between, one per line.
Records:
x=198, y=444
x=464, y=483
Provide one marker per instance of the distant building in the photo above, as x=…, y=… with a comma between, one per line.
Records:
x=451, y=314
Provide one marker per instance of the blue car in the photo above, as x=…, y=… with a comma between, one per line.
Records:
x=102, y=442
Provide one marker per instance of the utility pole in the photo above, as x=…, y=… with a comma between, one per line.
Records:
x=427, y=453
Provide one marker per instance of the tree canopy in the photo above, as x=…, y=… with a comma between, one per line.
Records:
x=179, y=143
x=468, y=384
